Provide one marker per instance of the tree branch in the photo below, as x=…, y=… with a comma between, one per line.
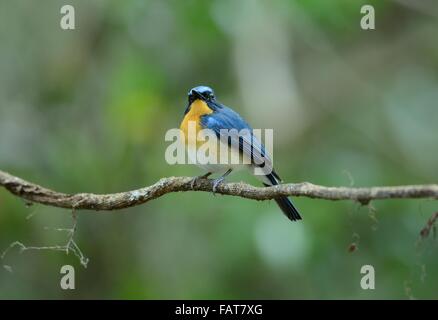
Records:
x=37, y=194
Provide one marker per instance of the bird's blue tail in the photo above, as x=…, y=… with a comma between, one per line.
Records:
x=283, y=202
x=288, y=208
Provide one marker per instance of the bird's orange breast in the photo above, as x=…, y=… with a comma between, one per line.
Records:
x=197, y=109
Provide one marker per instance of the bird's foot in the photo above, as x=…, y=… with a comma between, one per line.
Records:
x=195, y=179
x=217, y=182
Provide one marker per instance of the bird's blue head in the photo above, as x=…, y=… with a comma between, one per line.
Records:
x=201, y=92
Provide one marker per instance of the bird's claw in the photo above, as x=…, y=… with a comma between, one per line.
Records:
x=217, y=182
x=192, y=182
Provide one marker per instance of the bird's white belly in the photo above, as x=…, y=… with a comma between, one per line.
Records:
x=214, y=156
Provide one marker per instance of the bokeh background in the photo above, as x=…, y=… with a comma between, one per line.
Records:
x=87, y=110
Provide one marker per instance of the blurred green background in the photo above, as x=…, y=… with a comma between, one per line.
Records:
x=87, y=110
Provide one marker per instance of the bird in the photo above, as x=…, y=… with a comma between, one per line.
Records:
x=205, y=112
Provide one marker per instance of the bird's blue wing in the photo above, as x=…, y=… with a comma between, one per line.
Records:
x=249, y=145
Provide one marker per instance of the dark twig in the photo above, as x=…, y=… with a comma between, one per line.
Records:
x=34, y=193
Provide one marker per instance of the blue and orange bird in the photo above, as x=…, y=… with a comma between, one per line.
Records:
x=207, y=113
